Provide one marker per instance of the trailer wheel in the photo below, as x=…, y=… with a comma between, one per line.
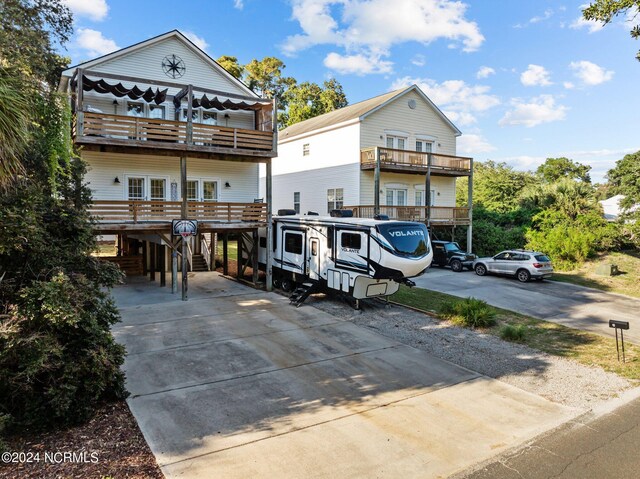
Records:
x=287, y=285
x=277, y=283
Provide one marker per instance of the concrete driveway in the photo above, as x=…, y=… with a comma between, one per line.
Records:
x=237, y=383
x=574, y=306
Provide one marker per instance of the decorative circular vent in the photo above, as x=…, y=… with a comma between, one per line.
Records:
x=412, y=104
x=173, y=66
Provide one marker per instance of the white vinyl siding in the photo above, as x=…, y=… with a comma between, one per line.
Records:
x=422, y=121
x=104, y=167
x=444, y=188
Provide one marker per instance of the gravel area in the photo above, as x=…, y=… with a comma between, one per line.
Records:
x=557, y=379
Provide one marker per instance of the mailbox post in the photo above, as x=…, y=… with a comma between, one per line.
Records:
x=621, y=325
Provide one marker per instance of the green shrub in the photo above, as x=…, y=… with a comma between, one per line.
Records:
x=470, y=312
x=509, y=332
x=58, y=359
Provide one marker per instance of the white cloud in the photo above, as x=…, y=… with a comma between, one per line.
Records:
x=419, y=60
x=540, y=109
x=359, y=64
x=370, y=28
x=473, y=144
x=535, y=75
x=94, y=43
x=95, y=10
x=568, y=85
x=580, y=22
x=485, y=72
x=239, y=4
x=456, y=98
x=590, y=73
x=540, y=18
x=200, y=42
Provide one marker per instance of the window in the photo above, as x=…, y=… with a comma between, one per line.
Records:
x=396, y=142
x=296, y=202
x=396, y=197
x=330, y=232
x=156, y=111
x=157, y=188
x=209, y=118
x=136, y=188
x=335, y=199
x=263, y=241
x=424, y=146
x=351, y=240
x=542, y=258
x=314, y=248
x=135, y=109
x=210, y=191
x=293, y=243
x=192, y=190
x=305, y=149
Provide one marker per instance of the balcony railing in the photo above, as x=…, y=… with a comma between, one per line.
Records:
x=159, y=133
x=415, y=161
x=445, y=215
x=126, y=211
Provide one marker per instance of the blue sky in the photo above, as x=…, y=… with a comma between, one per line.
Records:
x=523, y=80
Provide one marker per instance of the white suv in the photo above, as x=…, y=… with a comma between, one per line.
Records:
x=524, y=265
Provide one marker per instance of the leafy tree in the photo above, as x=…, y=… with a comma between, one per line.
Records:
x=265, y=77
x=497, y=186
x=554, y=169
x=36, y=26
x=231, y=64
x=15, y=122
x=606, y=10
x=624, y=178
x=307, y=100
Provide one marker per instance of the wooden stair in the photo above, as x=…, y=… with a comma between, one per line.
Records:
x=198, y=263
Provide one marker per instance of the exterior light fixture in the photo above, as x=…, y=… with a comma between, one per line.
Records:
x=227, y=185
x=116, y=181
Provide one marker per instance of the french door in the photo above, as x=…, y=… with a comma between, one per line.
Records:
x=396, y=197
x=146, y=188
x=202, y=189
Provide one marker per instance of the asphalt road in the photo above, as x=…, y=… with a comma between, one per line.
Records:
x=574, y=306
x=601, y=448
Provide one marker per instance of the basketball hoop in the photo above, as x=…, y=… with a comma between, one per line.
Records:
x=184, y=228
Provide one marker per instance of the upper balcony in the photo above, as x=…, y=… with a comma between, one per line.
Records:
x=406, y=161
x=185, y=122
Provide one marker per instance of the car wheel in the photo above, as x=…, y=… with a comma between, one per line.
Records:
x=456, y=265
x=523, y=275
x=481, y=269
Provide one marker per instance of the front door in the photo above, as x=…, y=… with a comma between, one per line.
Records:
x=313, y=259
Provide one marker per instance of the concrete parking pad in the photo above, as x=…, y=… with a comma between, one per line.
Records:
x=238, y=383
x=574, y=306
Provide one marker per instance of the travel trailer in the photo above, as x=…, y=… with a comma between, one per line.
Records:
x=360, y=257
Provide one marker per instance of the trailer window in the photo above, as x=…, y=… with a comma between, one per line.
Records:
x=263, y=242
x=293, y=243
x=330, y=237
x=408, y=239
x=351, y=240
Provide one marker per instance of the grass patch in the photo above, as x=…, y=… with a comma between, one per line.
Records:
x=470, y=312
x=509, y=332
x=581, y=346
x=625, y=282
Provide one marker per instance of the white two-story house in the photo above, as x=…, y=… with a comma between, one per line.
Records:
x=167, y=133
x=392, y=155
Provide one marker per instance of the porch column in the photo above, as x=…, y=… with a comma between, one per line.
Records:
x=225, y=253
x=162, y=254
x=427, y=192
x=269, y=264
x=254, y=259
x=183, y=214
x=152, y=261
x=470, y=206
x=376, y=183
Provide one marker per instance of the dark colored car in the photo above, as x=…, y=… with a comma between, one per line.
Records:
x=448, y=253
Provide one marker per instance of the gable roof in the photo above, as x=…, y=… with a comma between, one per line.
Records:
x=358, y=111
x=66, y=74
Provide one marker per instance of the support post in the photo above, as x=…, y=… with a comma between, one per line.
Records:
x=376, y=183
x=145, y=248
x=225, y=254
x=152, y=261
x=470, y=206
x=119, y=245
x=174, y=270
x=239, y=268
x=212, y=252
x=254, y=260
x=427, y=192
x=183, y=214
x=79, y=101
x=189, y=115
x=269, y=262
x=162, y=254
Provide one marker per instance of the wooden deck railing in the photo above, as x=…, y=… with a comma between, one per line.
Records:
x=119, y=127
x=406, y=159
x=451, y=215
x=114, y=211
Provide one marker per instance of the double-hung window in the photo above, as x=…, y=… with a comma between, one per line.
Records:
x=335, y=199
x=296, y=202
x=396, y=142
x=424, y=146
